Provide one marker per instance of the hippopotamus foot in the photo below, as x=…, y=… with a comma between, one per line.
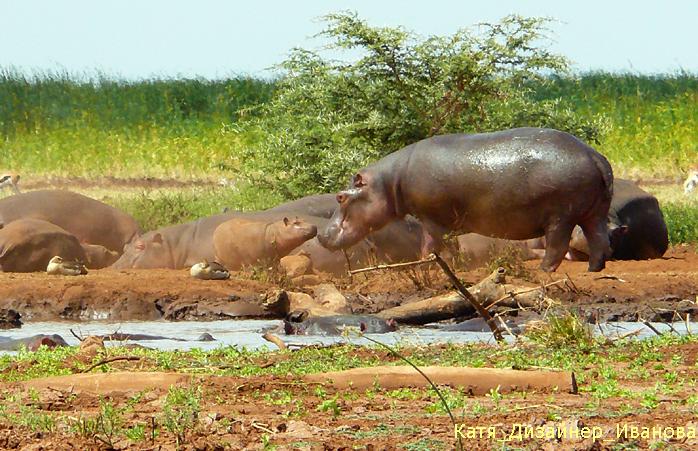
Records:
x=557, y=239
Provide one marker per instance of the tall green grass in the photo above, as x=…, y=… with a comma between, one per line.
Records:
x=61, y=124
x=652, y=119
x=55, y=123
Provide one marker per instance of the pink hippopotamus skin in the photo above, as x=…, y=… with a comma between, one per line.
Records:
x=241, y=242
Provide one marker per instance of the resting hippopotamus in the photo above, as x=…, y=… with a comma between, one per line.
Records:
x=334, y=325
x=27, y=245
x=514, y=184
x=242, y=242
x=637, y=230
x=319, y=205
x=175, y=247
x=89, y=220
x=97, y=257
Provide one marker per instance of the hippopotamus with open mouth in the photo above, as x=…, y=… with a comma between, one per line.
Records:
x=514, y=184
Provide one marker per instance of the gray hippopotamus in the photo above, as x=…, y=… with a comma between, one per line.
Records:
x=31, y=343
x=514, y=184
x=334, y=325
x=175, y=247
x=89, y=220
x=636, y=225
x=27, y=245
x=319, y=205
x=242, y=242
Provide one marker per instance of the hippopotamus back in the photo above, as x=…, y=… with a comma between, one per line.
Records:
x=88, y=219
x=27, y=245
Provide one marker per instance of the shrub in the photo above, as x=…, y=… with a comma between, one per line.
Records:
x=327, y=118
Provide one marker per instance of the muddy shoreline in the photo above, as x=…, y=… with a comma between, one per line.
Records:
x=655, y=290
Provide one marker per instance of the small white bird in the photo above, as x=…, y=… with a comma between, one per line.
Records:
x=9, y=179
x=58, y=266
x=209, y=271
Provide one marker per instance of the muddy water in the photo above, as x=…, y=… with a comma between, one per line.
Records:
x=248, y=333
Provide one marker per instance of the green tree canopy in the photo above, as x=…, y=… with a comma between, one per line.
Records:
x=329, y=117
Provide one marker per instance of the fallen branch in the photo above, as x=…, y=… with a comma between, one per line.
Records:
x=513, y=295
x=482, y=311
x=110, y=360
x=429, y=259
x=274, y=339
x=651, y=327
x=664, y=322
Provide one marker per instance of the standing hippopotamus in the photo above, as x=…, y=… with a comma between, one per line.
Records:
x=89, y=220
x=27, y=245
x=242, y=242
x=515, y=184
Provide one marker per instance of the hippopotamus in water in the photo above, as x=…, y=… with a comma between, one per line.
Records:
x=31, y=343
x=514, y=184
x=334, y=325
x=89, y=220
x=27, y=245
x=242, y=242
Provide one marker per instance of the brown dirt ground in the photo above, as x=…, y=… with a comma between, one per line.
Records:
x=624, y=290
x=236, y=413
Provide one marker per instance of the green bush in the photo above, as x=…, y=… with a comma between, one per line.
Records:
x=328, y=118
x=682, y=222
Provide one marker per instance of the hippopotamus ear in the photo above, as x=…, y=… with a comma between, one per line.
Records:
x=358, y=180
x=286, y=221
x=157, y=238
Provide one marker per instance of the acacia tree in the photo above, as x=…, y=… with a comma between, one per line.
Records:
x=329, y=117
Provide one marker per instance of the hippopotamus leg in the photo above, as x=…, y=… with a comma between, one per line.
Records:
x=596, y=232
x=557, y=238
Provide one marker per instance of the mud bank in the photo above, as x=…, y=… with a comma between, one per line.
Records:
x=656, y=290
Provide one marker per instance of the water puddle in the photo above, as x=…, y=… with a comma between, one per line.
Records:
x=248, y=333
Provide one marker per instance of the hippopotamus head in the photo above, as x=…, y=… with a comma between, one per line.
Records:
x=144, y=252
x=291, y=233
x=363, y=208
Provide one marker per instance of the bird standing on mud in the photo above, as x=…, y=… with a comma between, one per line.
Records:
x=58, y=266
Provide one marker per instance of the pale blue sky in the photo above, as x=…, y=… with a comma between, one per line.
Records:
x=214, y=38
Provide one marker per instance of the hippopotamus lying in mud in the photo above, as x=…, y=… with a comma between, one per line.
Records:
x=27, y=245
x=181, y=246
x=514, y=184
x=319, y=205
x=242, y=242
x=636, y=226
x=89, y=220
x=334, y=325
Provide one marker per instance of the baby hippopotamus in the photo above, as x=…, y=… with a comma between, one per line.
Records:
x=335, y=325
x=244, y=242
x=514, y=184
